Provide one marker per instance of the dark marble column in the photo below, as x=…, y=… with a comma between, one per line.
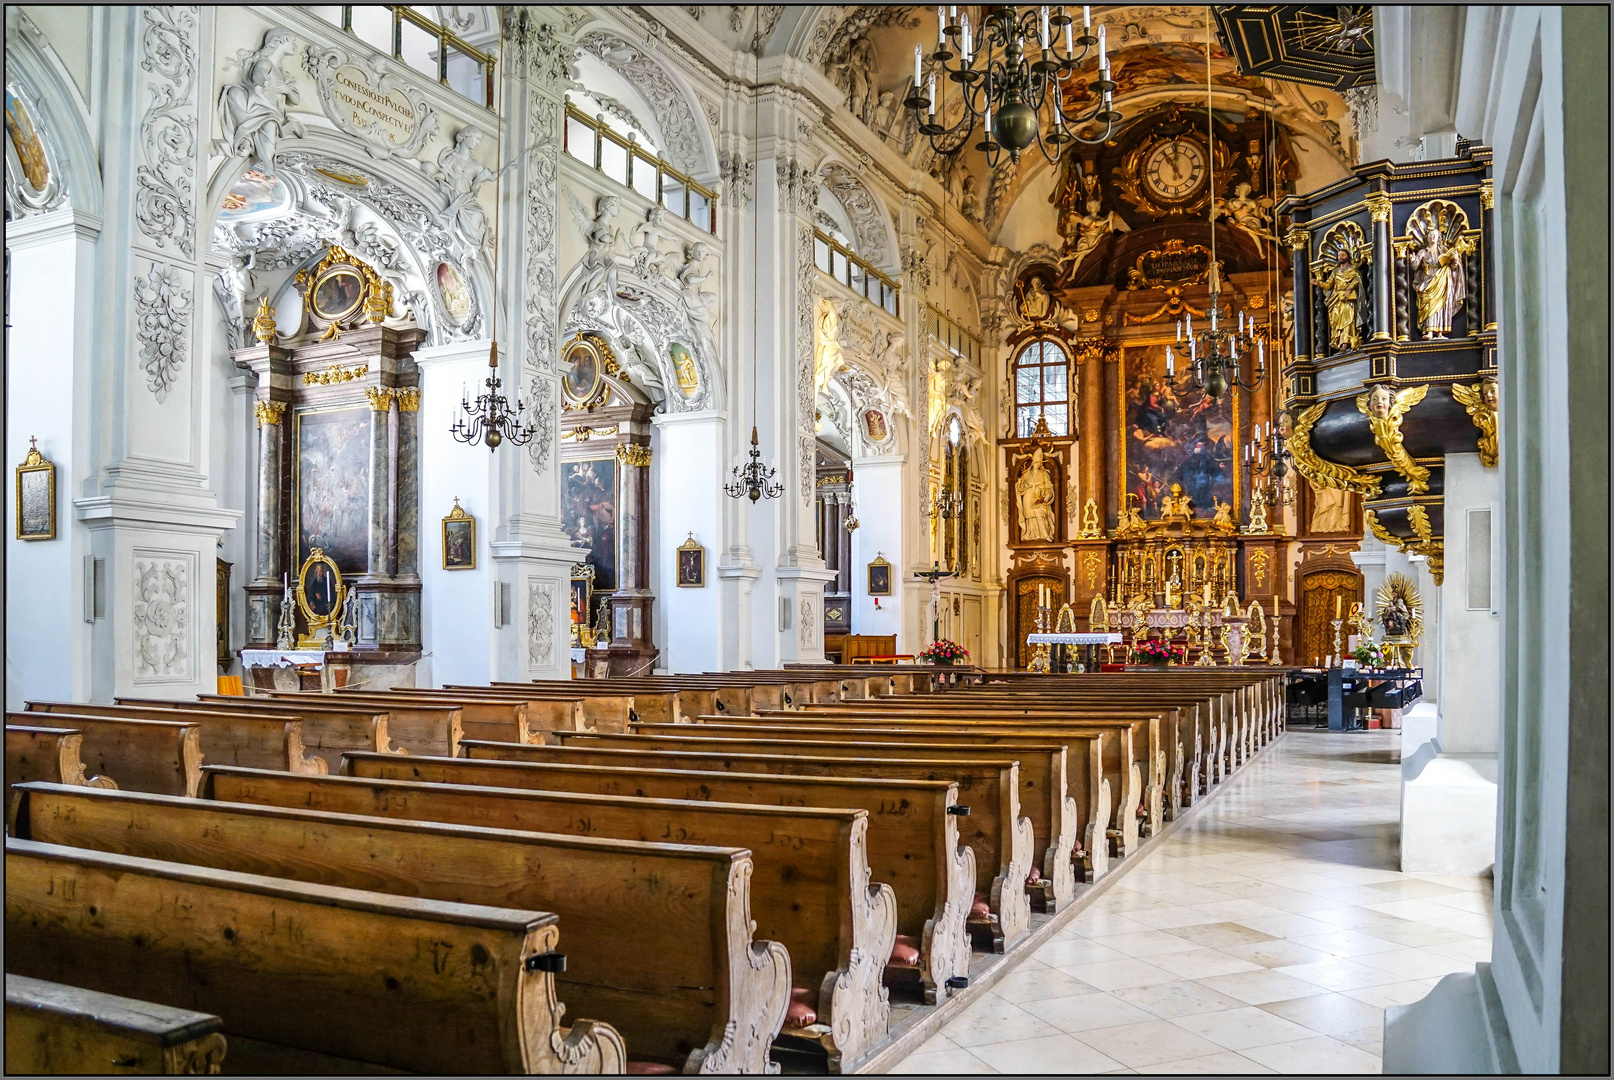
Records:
x=1379, y=206
x=1299, y=244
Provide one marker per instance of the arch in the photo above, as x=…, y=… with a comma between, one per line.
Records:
x=59, y=116
x=876, y=238
x=687, y=141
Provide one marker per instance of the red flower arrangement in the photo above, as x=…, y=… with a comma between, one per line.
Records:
x=1154, y=651
x=944, y=652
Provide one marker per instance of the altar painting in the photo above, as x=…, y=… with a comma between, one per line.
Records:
x=588, y=515
x=332, y=493
x=1174, y=433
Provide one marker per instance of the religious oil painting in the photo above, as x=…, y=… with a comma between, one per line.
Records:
x=583, y=371
x=455, y=296
x=459, y=539
x=691, y=564
x=36, y=496
x=337, y=294
x=332, y=498
x=1174, y=433
x=25, y=142
x=588, y=515
x=255, y=194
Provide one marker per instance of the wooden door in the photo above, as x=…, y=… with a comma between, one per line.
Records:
x=1025, y=614
x=972, y=628
x=1320, y=591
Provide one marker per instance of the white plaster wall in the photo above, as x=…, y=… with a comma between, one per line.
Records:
x=1471, y=643
x=686, y=498
x=877, y=483
x=456, y=605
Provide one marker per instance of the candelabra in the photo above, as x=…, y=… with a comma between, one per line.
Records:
x=1041, y=656
x=945, y=503
x=1338, y=645
x=491, y=420
x=286, y=630
x=1018, y=69
x=1272, y=654
x=1267, y=461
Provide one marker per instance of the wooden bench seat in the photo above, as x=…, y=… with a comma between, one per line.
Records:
x=415, y=727
x=327, y=730
x=1003, y=838
x=481, y=718
x=162, y=756
x=52, y=1028
x=227, y=738
x=664, y=706
x=576, y=706
x=46, y=753
x=688, y=991
x=399, y=981
x=913, y=841
x=810, y=891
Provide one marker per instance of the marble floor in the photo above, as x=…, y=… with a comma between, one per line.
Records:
x=1266, y=935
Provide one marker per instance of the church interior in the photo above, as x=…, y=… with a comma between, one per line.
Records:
x=807, y=539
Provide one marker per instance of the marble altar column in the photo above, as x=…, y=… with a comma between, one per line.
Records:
x=1379, y=206
x=271, y=455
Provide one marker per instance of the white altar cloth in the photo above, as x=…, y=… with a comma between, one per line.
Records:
x=1073, y=639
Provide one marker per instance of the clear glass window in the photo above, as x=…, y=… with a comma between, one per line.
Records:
x=1042, y=389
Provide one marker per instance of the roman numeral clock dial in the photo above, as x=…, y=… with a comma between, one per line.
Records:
x=1174, y=171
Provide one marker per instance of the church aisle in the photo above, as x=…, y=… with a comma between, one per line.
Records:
x=1267, y=935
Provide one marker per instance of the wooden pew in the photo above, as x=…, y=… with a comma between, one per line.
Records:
x=1046, y=795
x=810, y=891
x=52, y=1028
x=481, y=718
x=684, y=986
x=415, y=727
x=400, y=982
x=227, y=738
x=328, y=730
x=575, y=706
x=1002, y=837
x=161, y=756
x=46, y=753
x=913, y=838
x=664, y=706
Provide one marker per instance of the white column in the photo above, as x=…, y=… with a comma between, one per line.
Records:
x=877, y=485
x=48, y=397
x=1470, y=616
x=456, y=617
x=686, y=498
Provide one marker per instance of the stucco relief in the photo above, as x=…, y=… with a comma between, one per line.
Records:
x=398, y=122
x=679, y=132
x=163, y=308
x=868, y=220
x=163, y=583
x=540, y=623
x=165, y=202
x=809, y=621
x=253, y=111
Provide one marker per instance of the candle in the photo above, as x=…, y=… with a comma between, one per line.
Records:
x=1070, y=46
x=1171, y=367
x=1103, y=58
x=941, y=29
x=1045, y=26
x=1087, y=19
x=1339, y=606
x=932, y=107
x=918, y=58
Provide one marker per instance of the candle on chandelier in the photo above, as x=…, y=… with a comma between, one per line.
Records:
x=932, y=106
x=1070, y=48
x=1045, y=27
x=1171, y=361
x=1087, y=19
x=918, y=60
x=941, y=28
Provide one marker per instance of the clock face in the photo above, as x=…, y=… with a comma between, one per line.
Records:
x=1174, y=170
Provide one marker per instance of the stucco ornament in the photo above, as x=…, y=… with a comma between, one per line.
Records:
x=391, y=118
x=868, y=221
x=165, y=200
x=253, y=111
x=680, y=133
x=540, y=623
x=459, y=176
x=163, y=307
x=161, y=610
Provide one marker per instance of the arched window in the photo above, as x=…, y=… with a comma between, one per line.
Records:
x=1041, y=388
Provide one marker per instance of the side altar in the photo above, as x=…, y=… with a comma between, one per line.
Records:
x=338, y=460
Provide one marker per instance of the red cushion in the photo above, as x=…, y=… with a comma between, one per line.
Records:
x=1035, y=877
x=800, y=1012
x=905, y=951
x=980, y=909
x=650, y=1068
x=1111, y=667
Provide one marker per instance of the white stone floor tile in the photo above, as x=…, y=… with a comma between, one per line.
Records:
x=1267, y=934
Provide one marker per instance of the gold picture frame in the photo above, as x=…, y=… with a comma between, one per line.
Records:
x=36, y=496
x=459, y=539
x=879, y=577
x=585, y=362
x=691, y=564
x=319, y=575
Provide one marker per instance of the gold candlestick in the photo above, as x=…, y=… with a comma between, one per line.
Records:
x=1338, y=625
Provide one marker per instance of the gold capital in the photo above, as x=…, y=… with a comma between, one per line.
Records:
x=633, y=454
x=380, y=398
x=1299, y=238
x=1487, y=195
x=408, y=398
x=268, y=412
x=1378, y=205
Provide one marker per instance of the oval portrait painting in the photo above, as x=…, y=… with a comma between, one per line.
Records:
x=338, y=293
x=581, y=380
x=452, y=291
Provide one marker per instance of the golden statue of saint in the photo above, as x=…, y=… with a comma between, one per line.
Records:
x=1345, y=294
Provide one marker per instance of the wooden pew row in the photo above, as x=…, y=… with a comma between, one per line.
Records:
x=1145, y=743
x=52, y=1028
x=581, y=707
x=415, y=727
x=227, y=738
x=1054, y=802
x=161, y=756
x=695, y=995
x=913, y=839
x=328, y=730
x=399, y=982
x=811, y=888
x=46, y=753
x=1003, y=838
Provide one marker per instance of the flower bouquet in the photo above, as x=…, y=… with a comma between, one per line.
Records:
x=1161, y=653
x=1368, y=655
x=944, y=652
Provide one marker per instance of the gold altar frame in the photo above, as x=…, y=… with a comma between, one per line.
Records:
x=317, y=622
x=1121, y=419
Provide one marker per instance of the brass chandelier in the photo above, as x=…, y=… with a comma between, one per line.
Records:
x=1007, y=77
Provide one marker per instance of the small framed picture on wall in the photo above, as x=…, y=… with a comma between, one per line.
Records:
x=36, y=496
x=459, y=539
x=691, y=564
x=879, y=577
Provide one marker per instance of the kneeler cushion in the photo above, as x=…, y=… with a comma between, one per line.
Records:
x=650, y=1068
x=800, y=1012
x=905, y=951
x=980, y=909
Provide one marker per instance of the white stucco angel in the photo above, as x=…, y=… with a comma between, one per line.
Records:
x=1249, y=215
x=888, y=359
x=253, y=110
x=645, y=244
x=1084, y=233
x=458, y=175
x=600, y=259
x=690, y=277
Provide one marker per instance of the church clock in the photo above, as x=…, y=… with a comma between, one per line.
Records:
x=1174, y=170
